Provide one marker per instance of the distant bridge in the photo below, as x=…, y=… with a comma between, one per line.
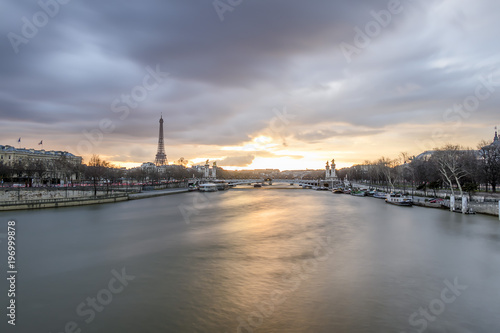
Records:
x=301, y=182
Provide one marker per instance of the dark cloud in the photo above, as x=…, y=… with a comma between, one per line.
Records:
x=322, y=134
x=226, y=78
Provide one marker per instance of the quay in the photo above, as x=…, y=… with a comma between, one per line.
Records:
x=156, y=193
x=56, y=202
x=61, y=202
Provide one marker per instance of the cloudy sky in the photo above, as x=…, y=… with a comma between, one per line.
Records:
x=250, y=83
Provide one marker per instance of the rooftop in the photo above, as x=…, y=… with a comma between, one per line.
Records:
x=12, y=149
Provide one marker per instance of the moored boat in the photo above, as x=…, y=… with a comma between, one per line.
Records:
x=208, y=187
x=221, y=185
x=322, y=188
x=193, y=188
x=380, y=195
x=398, y=199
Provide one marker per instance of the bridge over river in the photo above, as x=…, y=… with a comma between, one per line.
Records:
x=301, y=182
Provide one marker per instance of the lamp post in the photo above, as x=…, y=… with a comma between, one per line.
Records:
x=404, y=179
x=412, y=177
x=412, y=182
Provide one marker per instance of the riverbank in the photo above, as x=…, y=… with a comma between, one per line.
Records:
x=487, y=208
x=443, y=194
x=85, y=200
x=480, y=203
x=156, y=193
x=61, y=202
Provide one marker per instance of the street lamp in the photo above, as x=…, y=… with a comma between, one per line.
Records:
x=404, y=179
x=412, y=178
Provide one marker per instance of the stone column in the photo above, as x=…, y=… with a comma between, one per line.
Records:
x=207, y=171
x=465, y=204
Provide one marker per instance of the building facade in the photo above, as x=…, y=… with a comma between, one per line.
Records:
x=15, y=158
x=9, y=155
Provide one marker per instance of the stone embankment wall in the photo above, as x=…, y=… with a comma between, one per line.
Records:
x=476, y=197
x=485, y=208
x=46, y=197
x=481, y=202
x=63, y=202
x=8, y=194
x=14, y=194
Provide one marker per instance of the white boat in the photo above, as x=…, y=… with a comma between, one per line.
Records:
x=221, y=185
x=398, y=199
x=208, y=187
x=193, y=188
x=322, y=188
x=380, y=195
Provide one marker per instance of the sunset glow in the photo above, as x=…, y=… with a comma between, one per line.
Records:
x=292, y=98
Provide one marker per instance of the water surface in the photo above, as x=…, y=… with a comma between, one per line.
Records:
x=255, y=260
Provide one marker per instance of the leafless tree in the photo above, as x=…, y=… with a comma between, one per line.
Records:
x=388, y=168
x=490, y=163
x=96, y=169
x=450, y=164
x=137, y=174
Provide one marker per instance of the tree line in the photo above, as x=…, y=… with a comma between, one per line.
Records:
x=33, y=172
x=451, y=167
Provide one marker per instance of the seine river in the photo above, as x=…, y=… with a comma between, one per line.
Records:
x=254, y=260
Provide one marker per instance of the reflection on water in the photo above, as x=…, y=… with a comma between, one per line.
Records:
x=258, y=260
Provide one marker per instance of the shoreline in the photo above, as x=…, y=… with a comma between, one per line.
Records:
x=120, y=197
x=156, y=193
x=84, y=201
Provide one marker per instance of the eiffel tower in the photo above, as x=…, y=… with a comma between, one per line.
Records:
x=161, y=157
